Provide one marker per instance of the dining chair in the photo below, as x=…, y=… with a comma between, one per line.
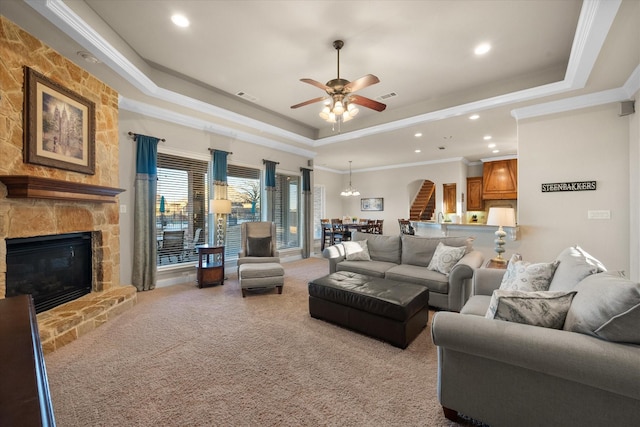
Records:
x=378, y=227
x=327, y=233
x=406, y=227
x=338, y=230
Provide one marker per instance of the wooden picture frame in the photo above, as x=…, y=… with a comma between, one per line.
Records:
x=59, y=128
x=372, y=204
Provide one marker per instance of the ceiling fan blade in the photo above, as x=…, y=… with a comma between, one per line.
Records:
x=311, y=101
x=316, y=84
x=366, y=102
x=361, y=83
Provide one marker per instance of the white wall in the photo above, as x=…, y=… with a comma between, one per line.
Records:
x=582, y=145
x=634, y=193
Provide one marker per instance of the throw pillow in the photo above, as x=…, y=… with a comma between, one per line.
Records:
x=356, y=251
x=259, y=246
x=528, y=277
x=575, y=265
x=543, y=308
x=607, y=306
x=445, y=257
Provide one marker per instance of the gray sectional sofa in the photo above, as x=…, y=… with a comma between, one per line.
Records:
x=505, y=373
x=406, y=258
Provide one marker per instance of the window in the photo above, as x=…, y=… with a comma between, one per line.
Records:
x=287, y=212
x=181, y=219
x=318, y=210
x=244, y=191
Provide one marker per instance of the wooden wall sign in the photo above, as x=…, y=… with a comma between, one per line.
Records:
x=569, y=186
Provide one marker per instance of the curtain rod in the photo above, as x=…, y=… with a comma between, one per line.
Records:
x=136, y=134
x=215, y=149
x=305, y=169
x=265, y=161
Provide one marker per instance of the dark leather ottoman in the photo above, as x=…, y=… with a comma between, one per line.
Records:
x=393, y=311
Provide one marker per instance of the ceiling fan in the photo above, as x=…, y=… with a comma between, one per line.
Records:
x=341, y=106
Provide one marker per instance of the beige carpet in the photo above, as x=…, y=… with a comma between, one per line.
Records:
x=185, y=356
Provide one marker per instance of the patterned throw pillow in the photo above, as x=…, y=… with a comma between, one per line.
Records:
x=357, y=251
x=547, y=309
x=528, y=277
x=445, y=257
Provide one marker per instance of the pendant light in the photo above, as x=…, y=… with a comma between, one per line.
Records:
x=350, y=191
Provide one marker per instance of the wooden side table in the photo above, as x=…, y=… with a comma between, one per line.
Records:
x=210, y=270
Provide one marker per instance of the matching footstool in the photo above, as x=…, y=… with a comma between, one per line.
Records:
x=390, y=310
x=261, y=276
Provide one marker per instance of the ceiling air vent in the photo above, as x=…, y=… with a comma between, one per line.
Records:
x=246, y=96
x=386, y=96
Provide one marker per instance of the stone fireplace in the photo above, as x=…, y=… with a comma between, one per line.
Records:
x=38, y=200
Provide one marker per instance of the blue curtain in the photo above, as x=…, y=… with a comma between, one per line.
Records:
x=144, y=219
x=270, y=188
x=307, y=213
x=220, y=167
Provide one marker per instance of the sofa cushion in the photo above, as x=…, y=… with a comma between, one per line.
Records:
x=356, y=251
x=419, y=250
x=381, y=248
x=435, y=281
x=445, y=257
x=607, y=306
x=368, y=268
x=528, y=277
x=542, y=308
x=575, y=265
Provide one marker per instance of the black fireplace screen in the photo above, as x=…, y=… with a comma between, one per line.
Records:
x=53, y=269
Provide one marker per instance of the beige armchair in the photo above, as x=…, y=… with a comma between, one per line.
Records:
x=258, y=243
x=258, y=260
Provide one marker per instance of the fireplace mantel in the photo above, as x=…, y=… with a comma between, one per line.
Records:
x=35, y=187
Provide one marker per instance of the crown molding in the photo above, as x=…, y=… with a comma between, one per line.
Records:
x=196, y=123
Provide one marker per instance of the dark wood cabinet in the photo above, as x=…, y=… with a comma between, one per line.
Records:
x=474, y=194
x=500, y=180
x=24, y=389
x=449, y=198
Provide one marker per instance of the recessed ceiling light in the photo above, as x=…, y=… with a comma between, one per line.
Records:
x=483, y=48
x=487, y=137
x=417, y=134
x=474, y=117
x=491, y=145
x=418, y=151
x=495, y=151
x=88, y=56
x=180, y=20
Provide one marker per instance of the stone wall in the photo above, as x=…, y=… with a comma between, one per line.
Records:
x=36, y=217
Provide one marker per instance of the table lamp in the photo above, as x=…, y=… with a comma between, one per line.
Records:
x=502, y=217
x=220, y=207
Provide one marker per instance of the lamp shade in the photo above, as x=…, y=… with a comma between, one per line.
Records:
x=220, y=206
x=505, y=217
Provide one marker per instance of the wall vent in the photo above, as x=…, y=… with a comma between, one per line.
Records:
x=386, y=96
x=245, y=95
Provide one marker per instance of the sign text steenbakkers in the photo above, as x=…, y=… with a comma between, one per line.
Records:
x=569, y=186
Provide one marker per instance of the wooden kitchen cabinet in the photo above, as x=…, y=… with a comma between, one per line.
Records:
x=474, y=194
x=500, y=180
x=449, y=198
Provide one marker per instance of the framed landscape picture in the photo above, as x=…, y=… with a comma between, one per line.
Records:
x=372, y=204
x=59, y=128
